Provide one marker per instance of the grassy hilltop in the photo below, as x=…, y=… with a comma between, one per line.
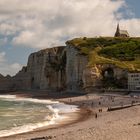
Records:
x=122, y=52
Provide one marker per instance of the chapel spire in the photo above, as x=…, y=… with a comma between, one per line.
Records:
x=121, y=33
x=117, y=34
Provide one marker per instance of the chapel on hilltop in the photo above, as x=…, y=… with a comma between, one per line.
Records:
x=121, y=33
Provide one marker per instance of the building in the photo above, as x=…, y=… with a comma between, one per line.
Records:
x=121, y=33
x=134, y=81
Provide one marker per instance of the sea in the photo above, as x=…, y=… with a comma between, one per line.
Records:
x=20, y=115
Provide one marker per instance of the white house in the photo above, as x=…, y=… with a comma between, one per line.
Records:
x=134, y=81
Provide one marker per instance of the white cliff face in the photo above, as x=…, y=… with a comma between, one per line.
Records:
x=76, y=64
x=61, y=68
x=81, y=77
x=36, y=69
x=45, y=70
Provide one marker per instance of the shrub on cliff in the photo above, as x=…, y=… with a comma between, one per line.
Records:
x=122, y=52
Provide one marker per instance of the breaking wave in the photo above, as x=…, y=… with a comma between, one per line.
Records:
x=59, y=112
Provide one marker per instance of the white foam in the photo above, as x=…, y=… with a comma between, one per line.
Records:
x=31, y=127
x=8, y=96
x=23, y=129
x=14, y=98
x=55, y=106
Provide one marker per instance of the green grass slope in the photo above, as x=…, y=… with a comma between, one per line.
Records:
x=122, y=52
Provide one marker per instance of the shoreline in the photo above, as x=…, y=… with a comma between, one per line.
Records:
x=76, y=117
x=67, y=119
x=120, y=124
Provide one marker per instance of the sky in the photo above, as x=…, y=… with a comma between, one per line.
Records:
x=27, y=26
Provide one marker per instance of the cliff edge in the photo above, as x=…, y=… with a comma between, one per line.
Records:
x=82, y=64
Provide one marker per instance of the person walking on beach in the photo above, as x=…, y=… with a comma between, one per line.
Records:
x=100, y=110
x=96, y=116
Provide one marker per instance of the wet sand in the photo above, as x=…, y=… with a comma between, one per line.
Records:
x=123, y=124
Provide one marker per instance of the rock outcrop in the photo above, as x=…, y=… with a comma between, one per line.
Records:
x=6, y=83
x=76, y=64
x=62, y=68
x=45, y=70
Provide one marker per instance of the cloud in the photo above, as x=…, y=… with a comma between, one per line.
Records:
x=25, y=38
x=3, y=41
x=2, y=57
x=132, y=26
x=43, y=23
x=6, y=68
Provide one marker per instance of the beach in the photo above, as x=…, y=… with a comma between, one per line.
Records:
x=93, y=120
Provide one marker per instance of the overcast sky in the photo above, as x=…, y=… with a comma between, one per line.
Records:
x=30, y=25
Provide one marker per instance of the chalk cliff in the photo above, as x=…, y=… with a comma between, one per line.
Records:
x=58, y=68
x=45, y=70
x=65, y=68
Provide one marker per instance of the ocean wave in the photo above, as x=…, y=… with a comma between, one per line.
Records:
x=14, y=98
x=24, y=128
x=59, y=110
x=31, y=127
